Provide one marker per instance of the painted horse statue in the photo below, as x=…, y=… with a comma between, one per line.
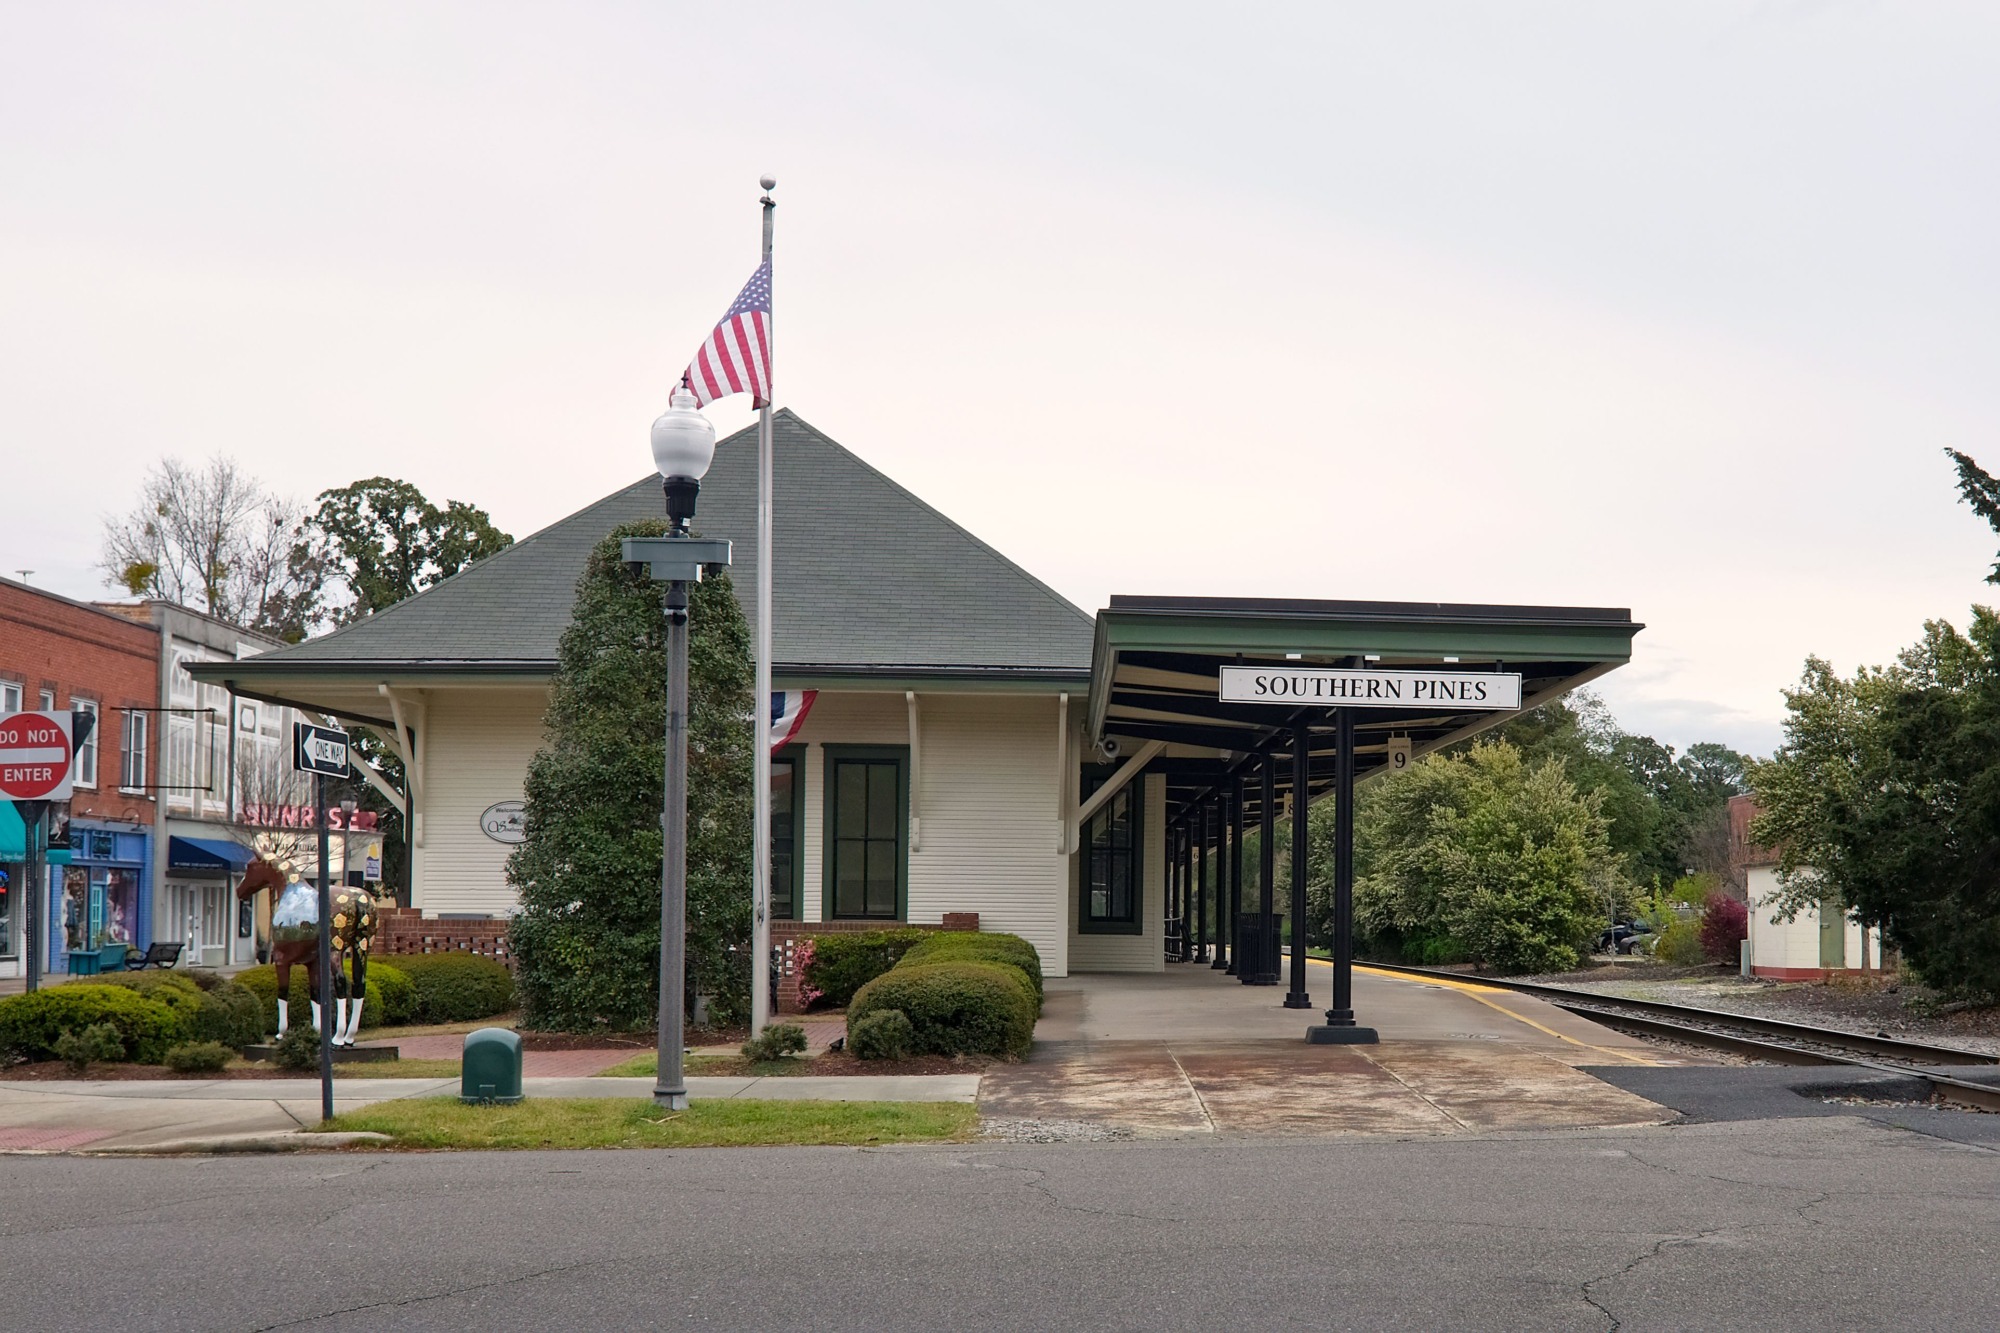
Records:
x=295, y=939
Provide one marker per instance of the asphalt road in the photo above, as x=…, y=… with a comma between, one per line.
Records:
x=1809, y=1223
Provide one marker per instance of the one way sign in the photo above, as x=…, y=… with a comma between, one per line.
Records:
x=320, y=750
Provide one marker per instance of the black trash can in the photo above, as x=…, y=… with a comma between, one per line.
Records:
x=1256, y=949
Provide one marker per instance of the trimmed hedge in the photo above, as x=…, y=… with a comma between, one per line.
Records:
x=263, y=983
x=399, y=993
x=214, y=1008
x=843, y=964
x=31, y=1024
x=885, y=1034
x=455, y=987
x=978, y=946
x=955, y=1008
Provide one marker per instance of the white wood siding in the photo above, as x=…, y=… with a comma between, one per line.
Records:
x=988, y=806
x=1131, y=953
x=478, y=744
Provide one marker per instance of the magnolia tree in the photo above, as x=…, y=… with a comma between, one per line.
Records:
x=587, y=939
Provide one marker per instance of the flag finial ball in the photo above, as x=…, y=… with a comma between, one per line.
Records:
x=768, y=182
x=683, y=439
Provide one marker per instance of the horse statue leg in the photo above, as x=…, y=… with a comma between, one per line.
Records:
x=282, y=963
x=354, y=919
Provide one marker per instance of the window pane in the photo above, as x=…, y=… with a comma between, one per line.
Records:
x=882, y=811
x=784, y=833
x=881, y=877
x=851, y=799
x=849, y=897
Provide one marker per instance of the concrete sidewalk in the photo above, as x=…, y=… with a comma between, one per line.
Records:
x=58, y=1115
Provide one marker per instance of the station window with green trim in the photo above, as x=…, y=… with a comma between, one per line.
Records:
x=1110, y=895
x=788, y=775
x=867, y=823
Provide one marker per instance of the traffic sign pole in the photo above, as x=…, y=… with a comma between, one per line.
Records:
x=325, y=954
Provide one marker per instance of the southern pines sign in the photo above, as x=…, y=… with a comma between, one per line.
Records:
x=1453, y=691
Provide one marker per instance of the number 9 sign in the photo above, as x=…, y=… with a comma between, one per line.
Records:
x=1399, y=753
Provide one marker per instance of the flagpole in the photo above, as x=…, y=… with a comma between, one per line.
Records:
x=760, y=874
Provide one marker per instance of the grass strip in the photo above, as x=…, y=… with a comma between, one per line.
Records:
x=630, y=1122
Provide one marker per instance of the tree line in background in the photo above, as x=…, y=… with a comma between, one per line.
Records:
x=1514, y=850
x=211, y=537
x=1883, y=803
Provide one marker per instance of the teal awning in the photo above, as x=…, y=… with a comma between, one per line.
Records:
x=207, y=854
x=13, y=834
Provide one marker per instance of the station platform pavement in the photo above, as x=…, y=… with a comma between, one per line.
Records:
x=1192, y=1051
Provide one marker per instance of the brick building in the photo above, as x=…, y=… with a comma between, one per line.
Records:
x=58, y=654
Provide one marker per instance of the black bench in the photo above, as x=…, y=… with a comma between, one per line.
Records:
x=156, y=955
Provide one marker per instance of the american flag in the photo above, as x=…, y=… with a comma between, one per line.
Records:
x=737, y=356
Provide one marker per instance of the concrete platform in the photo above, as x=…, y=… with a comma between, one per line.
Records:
x=1191, y=1051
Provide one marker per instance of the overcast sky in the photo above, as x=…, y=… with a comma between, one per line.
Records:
x=1670, y=306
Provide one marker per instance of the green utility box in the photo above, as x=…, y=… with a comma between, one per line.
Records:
x=491, y=1073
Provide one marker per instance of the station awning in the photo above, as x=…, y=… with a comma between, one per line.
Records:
x=217, y=854
x=1157, y=663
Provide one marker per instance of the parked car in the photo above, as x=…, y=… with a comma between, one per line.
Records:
x=1627, y=937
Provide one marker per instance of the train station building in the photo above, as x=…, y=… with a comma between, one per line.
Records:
x=960, y=738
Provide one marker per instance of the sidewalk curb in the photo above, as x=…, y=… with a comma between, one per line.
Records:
x=297, y=1140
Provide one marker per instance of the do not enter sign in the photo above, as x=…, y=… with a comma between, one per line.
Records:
x=35, y=757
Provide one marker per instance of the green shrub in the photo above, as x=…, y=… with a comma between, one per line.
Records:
x=30, y=1024
x=979, y=946
x=455, y=987
x=955, y=1008
x=1680, y=942
x=200, y=1057
x=399, y=993
x=298, y=1047
x=884, y=1034
x=776, y=1041
x=263, y=983
x=99, y=1041
x=843, y=964
x=213, y=1007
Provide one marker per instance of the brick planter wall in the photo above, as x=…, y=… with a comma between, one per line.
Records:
x=404, y=930
x=786, y=936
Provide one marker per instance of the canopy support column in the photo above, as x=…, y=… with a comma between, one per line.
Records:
x=1235, y=814
x=1201, y=882
x=1340, y=1027
x=1296, y=997
x=1264, y=970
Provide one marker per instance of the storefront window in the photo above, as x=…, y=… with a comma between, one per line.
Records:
x=76, y=923
x=9, y=876
x=99, y=906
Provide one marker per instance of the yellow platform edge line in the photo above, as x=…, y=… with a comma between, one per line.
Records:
x=1473, y=990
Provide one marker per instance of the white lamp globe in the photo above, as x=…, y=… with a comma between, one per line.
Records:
x=683, y=439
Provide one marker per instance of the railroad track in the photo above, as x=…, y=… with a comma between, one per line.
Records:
x=1765, y=1038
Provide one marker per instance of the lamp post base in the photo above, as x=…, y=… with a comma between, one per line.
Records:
x=1298, y=1000
x=1341, y=1036
x=670, y=1101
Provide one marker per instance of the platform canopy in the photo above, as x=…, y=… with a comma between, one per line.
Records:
x=1157, y=665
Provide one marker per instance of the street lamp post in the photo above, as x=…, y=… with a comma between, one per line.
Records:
x=683, y=447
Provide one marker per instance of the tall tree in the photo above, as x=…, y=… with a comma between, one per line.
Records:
x=212, y=537
x=1978, y=489
x=384, y=542
x=587, y=937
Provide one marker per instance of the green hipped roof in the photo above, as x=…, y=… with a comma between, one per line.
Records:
x=868, y=577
